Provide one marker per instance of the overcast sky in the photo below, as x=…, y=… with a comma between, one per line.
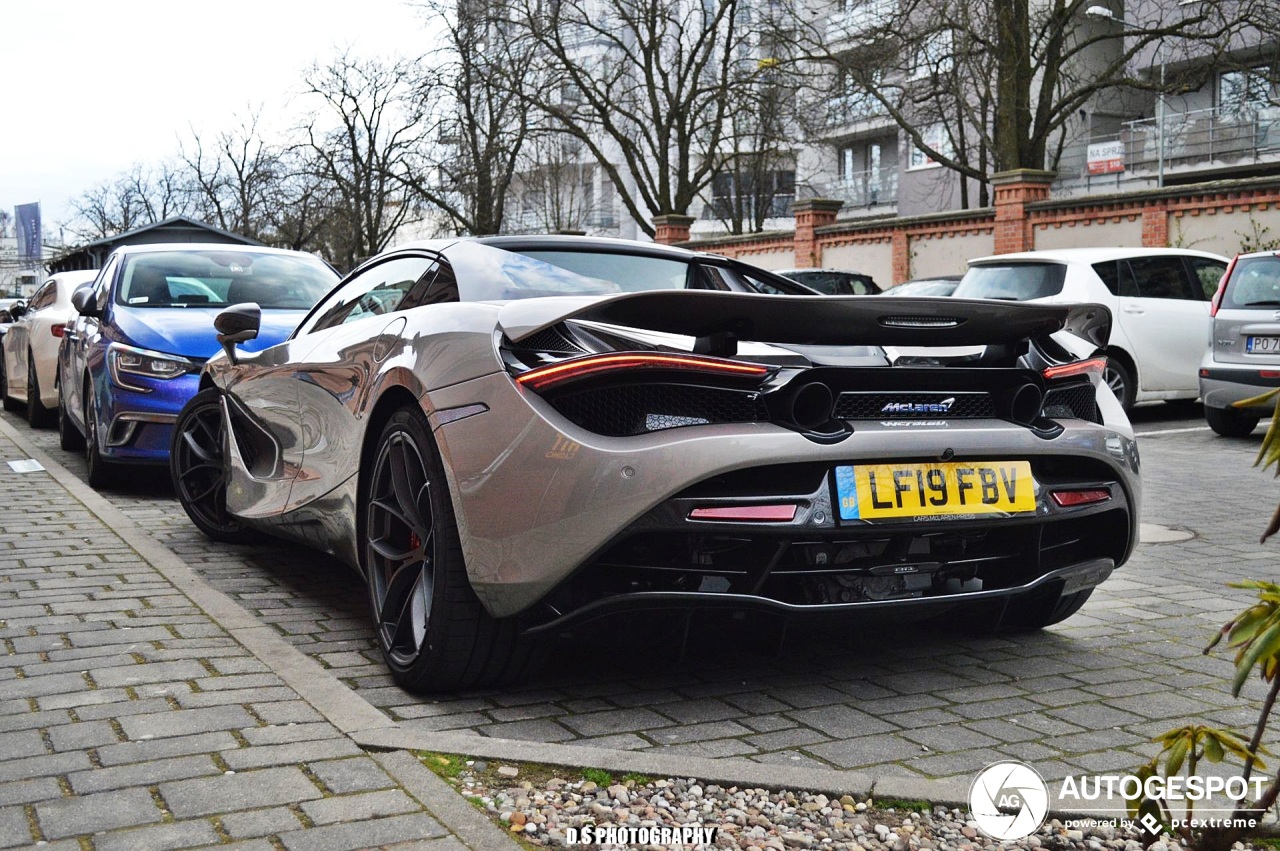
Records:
x=92, y=87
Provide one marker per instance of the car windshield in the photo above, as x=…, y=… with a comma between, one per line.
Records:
x=628, y=272
x=832, y=283
x=1012, y=281
x=1254, y=283
x=217, y=278
x=923, y=288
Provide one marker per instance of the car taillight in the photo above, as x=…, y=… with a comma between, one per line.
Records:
x=1216, y=302
x=1067, y=499
x=1093, y=366
x=543, y=377
x=57, y=329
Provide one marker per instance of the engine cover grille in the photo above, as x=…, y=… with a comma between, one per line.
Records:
x=636, y=409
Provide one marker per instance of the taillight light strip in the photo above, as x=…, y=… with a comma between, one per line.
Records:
x=1093, y=366
x=1216, y=302
x=542, y=377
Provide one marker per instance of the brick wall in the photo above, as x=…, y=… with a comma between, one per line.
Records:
x=1221, y=216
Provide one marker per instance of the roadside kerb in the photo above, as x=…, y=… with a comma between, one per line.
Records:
x=371, y=728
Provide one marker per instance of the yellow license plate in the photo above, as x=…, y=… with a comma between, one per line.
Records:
x=876, y=491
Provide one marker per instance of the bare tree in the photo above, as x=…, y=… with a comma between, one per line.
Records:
x=646, y=86
x=236, y=178
x=140, y=196
x=557, y=186
x=983, y=86
x=479, y=121
x=364, y=141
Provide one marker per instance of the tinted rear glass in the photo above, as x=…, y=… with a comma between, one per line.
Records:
x=834, y=283
x=628, y=272
x=1012, y=281
x=1254, y=283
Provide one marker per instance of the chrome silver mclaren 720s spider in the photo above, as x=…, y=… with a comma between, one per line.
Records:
x=506, y=436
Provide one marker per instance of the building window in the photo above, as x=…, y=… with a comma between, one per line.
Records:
x=936, y=137
x=936, y=56
x=1243, y=91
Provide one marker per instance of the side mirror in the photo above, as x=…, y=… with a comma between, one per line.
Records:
x=82, y=300
x=239, y=323
x=18, y=309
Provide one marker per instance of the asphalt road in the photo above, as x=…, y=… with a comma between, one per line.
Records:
x=1086, y=695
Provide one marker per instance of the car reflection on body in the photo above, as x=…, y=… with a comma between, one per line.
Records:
x=508, y=436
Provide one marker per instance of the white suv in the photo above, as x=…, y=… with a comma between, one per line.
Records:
x=1243, y=357
x=1158, y=297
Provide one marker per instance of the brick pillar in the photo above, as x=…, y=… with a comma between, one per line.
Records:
x=1014, y=191
x=812, y=214
x=901, y=256
x=671, y=228
x=1155, y=227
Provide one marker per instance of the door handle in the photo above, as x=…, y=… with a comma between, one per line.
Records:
x=1135, y=310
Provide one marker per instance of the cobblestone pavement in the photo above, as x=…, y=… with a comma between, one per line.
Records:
x=1085, y=696
x=129, y=719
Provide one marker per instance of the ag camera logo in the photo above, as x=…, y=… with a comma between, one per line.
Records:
x=1009, y=800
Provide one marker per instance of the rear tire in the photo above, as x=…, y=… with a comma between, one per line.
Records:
x=69, y=437
x=5, y=402
x=434, y=633
x=1119, y=377
x=101, y=471
x=1229, y=422
x=198, y=466
x=38, y=416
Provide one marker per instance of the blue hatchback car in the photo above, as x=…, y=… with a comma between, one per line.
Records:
x=131, y=358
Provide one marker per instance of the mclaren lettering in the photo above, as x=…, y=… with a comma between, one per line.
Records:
x=919, y=407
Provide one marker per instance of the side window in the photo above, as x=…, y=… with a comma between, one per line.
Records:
x=1110, y=275
x=104, y=282
x=1208, y=273
x=1161, y=277
x=384, y=288
x=43, y=297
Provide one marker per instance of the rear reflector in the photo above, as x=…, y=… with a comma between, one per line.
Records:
x=58, y=329
x=543, y=377
x=756, y=513
x=1268, y=373
x=1067, y=499
x=1093, y=366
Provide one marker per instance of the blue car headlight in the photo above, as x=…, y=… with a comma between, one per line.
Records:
x=125, y=361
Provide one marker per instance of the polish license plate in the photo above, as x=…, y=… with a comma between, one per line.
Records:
x=1262, y=345
x=880, y=491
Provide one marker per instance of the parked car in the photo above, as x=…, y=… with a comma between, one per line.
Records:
x=939, y=286
x=833, y=281
x=130, y=358
x=1159, y=297
x=30, y=347
x=504, y=446
x=1243, y=356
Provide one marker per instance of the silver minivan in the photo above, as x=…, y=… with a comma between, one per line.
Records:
x=1243, y=357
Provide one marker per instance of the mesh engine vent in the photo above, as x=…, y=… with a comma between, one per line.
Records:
x=550, y=340
x=1079, y=401
x=638, y=409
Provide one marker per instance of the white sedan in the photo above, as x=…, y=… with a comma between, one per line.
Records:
x=31, y=347
x=1159, y=298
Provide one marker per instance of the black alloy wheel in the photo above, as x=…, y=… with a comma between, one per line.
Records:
x=198, y=467
x=434, y=633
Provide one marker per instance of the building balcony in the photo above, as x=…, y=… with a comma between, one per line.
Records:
x=857, y=21
x=1191, y=142
x=876, y=188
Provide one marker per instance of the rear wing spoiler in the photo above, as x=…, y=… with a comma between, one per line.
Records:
x=815, y=320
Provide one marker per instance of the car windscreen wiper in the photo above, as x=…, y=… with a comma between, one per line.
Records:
x=1265, y=303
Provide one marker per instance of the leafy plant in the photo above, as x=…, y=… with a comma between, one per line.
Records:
x=1258, y=240
x=598, y=776
x=1254, y=635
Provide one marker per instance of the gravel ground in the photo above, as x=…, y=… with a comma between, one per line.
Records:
x=552, y=811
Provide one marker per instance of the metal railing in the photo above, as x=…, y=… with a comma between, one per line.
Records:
x=872, y=188
x=1193, y=140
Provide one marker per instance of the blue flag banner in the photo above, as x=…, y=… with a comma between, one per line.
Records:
x=30, y=236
